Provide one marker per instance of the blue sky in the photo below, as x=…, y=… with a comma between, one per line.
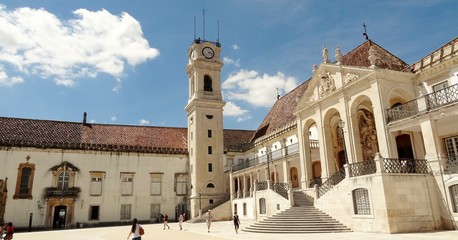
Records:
x=123, y=62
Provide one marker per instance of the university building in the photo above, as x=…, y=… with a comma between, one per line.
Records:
x=368, y=139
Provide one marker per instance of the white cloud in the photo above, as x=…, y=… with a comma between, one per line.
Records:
x=143, y=122
x=232, y=110
x=5, y=80
x=92, y=121
x=36, y=42
x=65, y=82
x=235, y=47
x=230, y=61
x=113, y=119
x=257, y=90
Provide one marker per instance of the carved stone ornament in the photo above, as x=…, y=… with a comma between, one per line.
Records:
x=310, y=100
x=367, y=134
x=327, y=84
x=372, y=56
x=350, y=77
x=338, y=56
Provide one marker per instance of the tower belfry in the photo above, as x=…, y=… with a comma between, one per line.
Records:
x=205, y=124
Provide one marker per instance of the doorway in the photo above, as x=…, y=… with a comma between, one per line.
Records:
x=404, y=146
x=60, y=213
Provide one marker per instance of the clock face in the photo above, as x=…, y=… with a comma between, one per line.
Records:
x=208, y=52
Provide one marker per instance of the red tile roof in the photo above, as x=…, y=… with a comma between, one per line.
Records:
x=281, y=113
x=358, y=57
x=105, y=137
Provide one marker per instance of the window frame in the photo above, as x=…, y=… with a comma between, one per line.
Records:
x=361, y=202
x=19, y=194
x=127, y=180
x=126, y=212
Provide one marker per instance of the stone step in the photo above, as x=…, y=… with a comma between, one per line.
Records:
x=299, y=219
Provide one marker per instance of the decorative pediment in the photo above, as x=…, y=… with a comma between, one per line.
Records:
x=327, y=84
x=64, y=167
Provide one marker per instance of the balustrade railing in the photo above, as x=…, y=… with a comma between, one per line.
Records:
x=451, y=166
x=405, y=165
x=261, y=186
x=315, y=181
x=335, y=179
x=442, y=97
x=274, y=155
x=433, y=100
x=281, y=189
x=362, y=168
x=69, y=192
x=402, y=111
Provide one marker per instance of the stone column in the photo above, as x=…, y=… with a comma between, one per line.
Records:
x=286, y=172
x=432, y=144
x=244, y=186
x=231, y=185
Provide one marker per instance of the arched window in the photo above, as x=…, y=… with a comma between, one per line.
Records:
x=208, y=87
x=454, y=196
x=210, y=185
x=262, y=206
x=361, y=204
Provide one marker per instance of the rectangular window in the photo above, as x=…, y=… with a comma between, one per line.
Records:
x=24, y=186
x=210, y=167
x=156, y=183
x=94, y=212
x=125, y=211
x=209, y=133
x=155, y=212
x=451, y=146
x=210, y=201
x=361, y=203
x=454, y=197
x=95, y=189
x=127, y=184
x=24, y=183
x=180, y=183
x=210, y=149
x=96, y=186
x=440, y=86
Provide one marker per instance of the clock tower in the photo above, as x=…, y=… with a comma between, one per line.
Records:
x=205, y=124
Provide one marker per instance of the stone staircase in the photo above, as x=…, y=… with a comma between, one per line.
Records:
x=301, y=218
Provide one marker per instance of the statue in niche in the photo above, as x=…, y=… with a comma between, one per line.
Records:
x=327, y=84
x=368, y=134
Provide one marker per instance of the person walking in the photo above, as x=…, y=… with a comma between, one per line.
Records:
x=209, y=219
x=180, y=221
x=135, y=230
x=236, y=222
x=166, y=219
x=9, y=231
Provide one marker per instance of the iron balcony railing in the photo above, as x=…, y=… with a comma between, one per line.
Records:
x=272, y=156
x=362, y=168
x=433, y=100
x=405, y=165
x=402, y=111
x=451, y=166
x=69, y=192
x=442, y=97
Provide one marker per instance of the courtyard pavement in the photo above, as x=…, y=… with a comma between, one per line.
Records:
x=219, y=231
